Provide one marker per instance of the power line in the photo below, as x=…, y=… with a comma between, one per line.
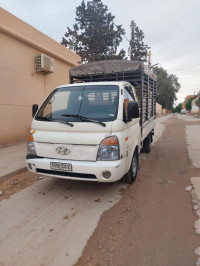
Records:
x=126, y=38
x=122, y=34
x=184, y=68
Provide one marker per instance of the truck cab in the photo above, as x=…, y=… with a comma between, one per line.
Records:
x=89, y=131
x=86, y=132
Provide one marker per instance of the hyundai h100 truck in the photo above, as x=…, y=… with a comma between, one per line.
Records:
x=95, y=128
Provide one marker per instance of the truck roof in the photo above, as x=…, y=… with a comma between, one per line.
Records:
x=110, y=66
x=94, y=83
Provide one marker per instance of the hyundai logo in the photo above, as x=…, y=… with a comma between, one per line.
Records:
x=62, y=151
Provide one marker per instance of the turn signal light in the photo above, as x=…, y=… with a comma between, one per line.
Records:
x=30, y=137
x=110, y=141
x=108, y=150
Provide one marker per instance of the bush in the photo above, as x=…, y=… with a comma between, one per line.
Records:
x=188, y=104
x=178, y=108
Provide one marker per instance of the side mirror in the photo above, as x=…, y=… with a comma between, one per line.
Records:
x=133, y=110
x=34, y=109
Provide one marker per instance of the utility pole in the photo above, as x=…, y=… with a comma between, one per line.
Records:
x=150, y=66
x=149, y=59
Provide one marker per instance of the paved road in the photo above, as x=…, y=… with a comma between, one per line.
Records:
x=148, y=223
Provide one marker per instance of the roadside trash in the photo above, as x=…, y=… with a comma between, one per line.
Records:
x=188, y=188
x=15, y=182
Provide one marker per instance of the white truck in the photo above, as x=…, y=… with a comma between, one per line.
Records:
x=94, y=128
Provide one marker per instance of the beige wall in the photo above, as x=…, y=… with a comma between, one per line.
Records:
x=158, y=109
x=20, y=85
x=164, y=111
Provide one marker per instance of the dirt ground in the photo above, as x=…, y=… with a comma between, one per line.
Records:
x=148, y=223
x=153, y=222
x=15, y=183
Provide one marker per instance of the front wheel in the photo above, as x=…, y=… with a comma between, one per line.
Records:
x=132, y=173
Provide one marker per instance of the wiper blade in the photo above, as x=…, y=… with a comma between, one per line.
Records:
x=62, y=122
x=55, y=120
x=91, y=120
x=84, y=118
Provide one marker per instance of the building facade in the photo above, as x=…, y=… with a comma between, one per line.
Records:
x=21, y=85
x=194, y=107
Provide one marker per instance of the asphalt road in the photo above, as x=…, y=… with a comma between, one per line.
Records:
x=150, y=222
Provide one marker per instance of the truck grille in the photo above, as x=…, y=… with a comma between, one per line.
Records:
x=70, y=174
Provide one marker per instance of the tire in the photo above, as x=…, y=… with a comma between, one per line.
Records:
x=147, y=144
x=130, y=177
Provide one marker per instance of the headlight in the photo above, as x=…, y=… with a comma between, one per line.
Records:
x=31, y=148
x=30, y=145
x=108, y=149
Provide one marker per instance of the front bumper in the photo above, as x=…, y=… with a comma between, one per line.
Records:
x=81, y=170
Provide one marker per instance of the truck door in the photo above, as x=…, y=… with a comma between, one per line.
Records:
x=132, y=131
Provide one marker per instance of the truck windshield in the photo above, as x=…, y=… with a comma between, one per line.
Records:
x=69, y=104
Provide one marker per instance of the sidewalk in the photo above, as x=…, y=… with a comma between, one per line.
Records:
x=12, y=158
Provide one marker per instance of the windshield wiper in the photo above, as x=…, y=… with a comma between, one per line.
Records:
x=55, y=120
x=84, y=118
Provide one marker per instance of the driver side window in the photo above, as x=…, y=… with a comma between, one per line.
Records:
x=127, y=99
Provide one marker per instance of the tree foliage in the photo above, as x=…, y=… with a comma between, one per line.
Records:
x=188, y=104
x=94, y=35
x=197, y=102
x=137, y=49
x=167, y=87
x=178, y=108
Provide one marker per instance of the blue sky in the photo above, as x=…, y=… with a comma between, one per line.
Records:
x=171, y=29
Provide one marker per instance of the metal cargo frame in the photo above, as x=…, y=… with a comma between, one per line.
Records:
x=144, y=85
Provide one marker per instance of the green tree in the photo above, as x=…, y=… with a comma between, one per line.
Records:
x=188, y=104
x=167, y=87
x=197, y=102
x=178, y=108
x=94, y=36
x=173, y=110
x=137, y=49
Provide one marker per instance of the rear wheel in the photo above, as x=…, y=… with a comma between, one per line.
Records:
x=147, y=144
x=132, y=173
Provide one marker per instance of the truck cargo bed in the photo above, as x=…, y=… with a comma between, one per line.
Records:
x=134, y=72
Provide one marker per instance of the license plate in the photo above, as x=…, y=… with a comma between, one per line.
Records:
x=61, y=166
